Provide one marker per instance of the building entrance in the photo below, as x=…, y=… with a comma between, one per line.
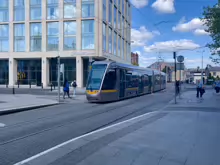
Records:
x=29, y=72
x=4, y=72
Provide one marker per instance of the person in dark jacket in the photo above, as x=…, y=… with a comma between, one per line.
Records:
x=66, y=89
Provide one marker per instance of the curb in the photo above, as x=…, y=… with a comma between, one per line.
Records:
x=16, y=110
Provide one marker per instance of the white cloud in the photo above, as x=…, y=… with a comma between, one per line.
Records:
x=173, y=45
x=141, y=36
x=139, y=3
x=193, y=63
x=164, y=6
x=196, y=25
x=201, y=32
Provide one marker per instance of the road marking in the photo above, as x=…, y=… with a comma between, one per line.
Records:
x=2, y=125
x=79, y=137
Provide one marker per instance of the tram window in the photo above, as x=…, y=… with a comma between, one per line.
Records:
x=146, y=80
x=109, y=80
x=96, y=75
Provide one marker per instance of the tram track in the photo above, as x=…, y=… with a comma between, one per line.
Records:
x=73, y=120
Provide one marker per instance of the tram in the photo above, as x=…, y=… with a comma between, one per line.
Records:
x=112, y=81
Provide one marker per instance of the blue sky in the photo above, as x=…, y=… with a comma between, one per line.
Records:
x=182, y=29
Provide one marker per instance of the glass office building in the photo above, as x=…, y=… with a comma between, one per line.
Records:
x=34, y=32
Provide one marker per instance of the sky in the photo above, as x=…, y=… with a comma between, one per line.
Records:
x=160, y=27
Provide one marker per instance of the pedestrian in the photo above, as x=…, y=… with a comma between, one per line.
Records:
x=177, y=87
x=200, y=89
x=74, y=85
x=217, y=86
x=66, y=89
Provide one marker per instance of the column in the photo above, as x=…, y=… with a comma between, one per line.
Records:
x=45, y=71
x=79, y=25
x=79, y=71
x=60, y=46
x=11, y=26
x=44, y=26
x=27, y=26
x=12, y=71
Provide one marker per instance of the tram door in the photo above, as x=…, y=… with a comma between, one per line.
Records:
x=141, y=84
x=122, y=83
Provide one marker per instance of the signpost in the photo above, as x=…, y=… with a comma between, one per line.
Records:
x=180, y=67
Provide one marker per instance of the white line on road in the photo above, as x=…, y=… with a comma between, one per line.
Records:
x=2, y=125
x=77, y=138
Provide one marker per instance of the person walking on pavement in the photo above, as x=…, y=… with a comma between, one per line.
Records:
x=217, y=86
x=200, y=89
x=66, y=89
x=74, y=85
x=177, y=87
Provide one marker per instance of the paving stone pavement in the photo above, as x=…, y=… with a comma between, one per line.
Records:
x=182, y=134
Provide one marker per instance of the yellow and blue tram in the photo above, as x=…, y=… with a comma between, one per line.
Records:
x=112, y=81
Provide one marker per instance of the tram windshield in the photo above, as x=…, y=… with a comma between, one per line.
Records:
x=95, y=76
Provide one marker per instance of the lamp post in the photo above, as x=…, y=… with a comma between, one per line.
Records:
x=202, y=64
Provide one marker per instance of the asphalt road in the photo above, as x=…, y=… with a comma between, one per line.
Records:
x=28, y=133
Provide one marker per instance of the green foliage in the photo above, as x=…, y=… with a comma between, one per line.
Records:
x=212, y=21
x=166, y=68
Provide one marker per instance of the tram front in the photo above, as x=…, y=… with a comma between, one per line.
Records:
x=95, y=80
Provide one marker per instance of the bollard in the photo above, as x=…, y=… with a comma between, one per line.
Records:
x=18, y=84
x=42, y=85
x=13, y=90
x=6, y=85
x=51, y=87
x=30, y=85
x=54, y=87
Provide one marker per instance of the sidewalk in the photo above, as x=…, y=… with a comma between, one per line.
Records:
x=172, y=136
x=16, y=103
x=39, y=91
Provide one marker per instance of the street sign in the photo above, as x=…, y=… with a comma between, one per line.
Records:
x=180, y=66
x=180, y=58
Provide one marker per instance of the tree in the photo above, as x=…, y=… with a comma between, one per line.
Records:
x=212, y=21
x=166, y=69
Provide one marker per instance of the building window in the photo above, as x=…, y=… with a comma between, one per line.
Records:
x=128, y=11
x=115, y=43
x=19, y=37
x=4, y=36
x=110, y=40
x=4, y=11
x=69, y=8
x=88, y=8
x=128, y=33
x=128, y=52
x=35, y=9
x=123, y=7
x=119, y=21
x=52, y=9
x=88, y=37
x=52, y=36
x=36, y=37
x=119, y=4
x=122, y=48
x=104, y=36
x=19, y=12
x=122, y=26
x=69, y=35
x=104, y=10
x=115, y=17
x=110, y=12
x=119, y=46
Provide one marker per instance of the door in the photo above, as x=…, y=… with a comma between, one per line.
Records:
x=141, y=84
x=122, y=83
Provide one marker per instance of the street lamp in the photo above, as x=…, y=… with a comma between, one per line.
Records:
x=202, y=64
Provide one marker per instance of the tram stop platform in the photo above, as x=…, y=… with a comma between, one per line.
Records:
x=186, y=133
x=15, y=103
